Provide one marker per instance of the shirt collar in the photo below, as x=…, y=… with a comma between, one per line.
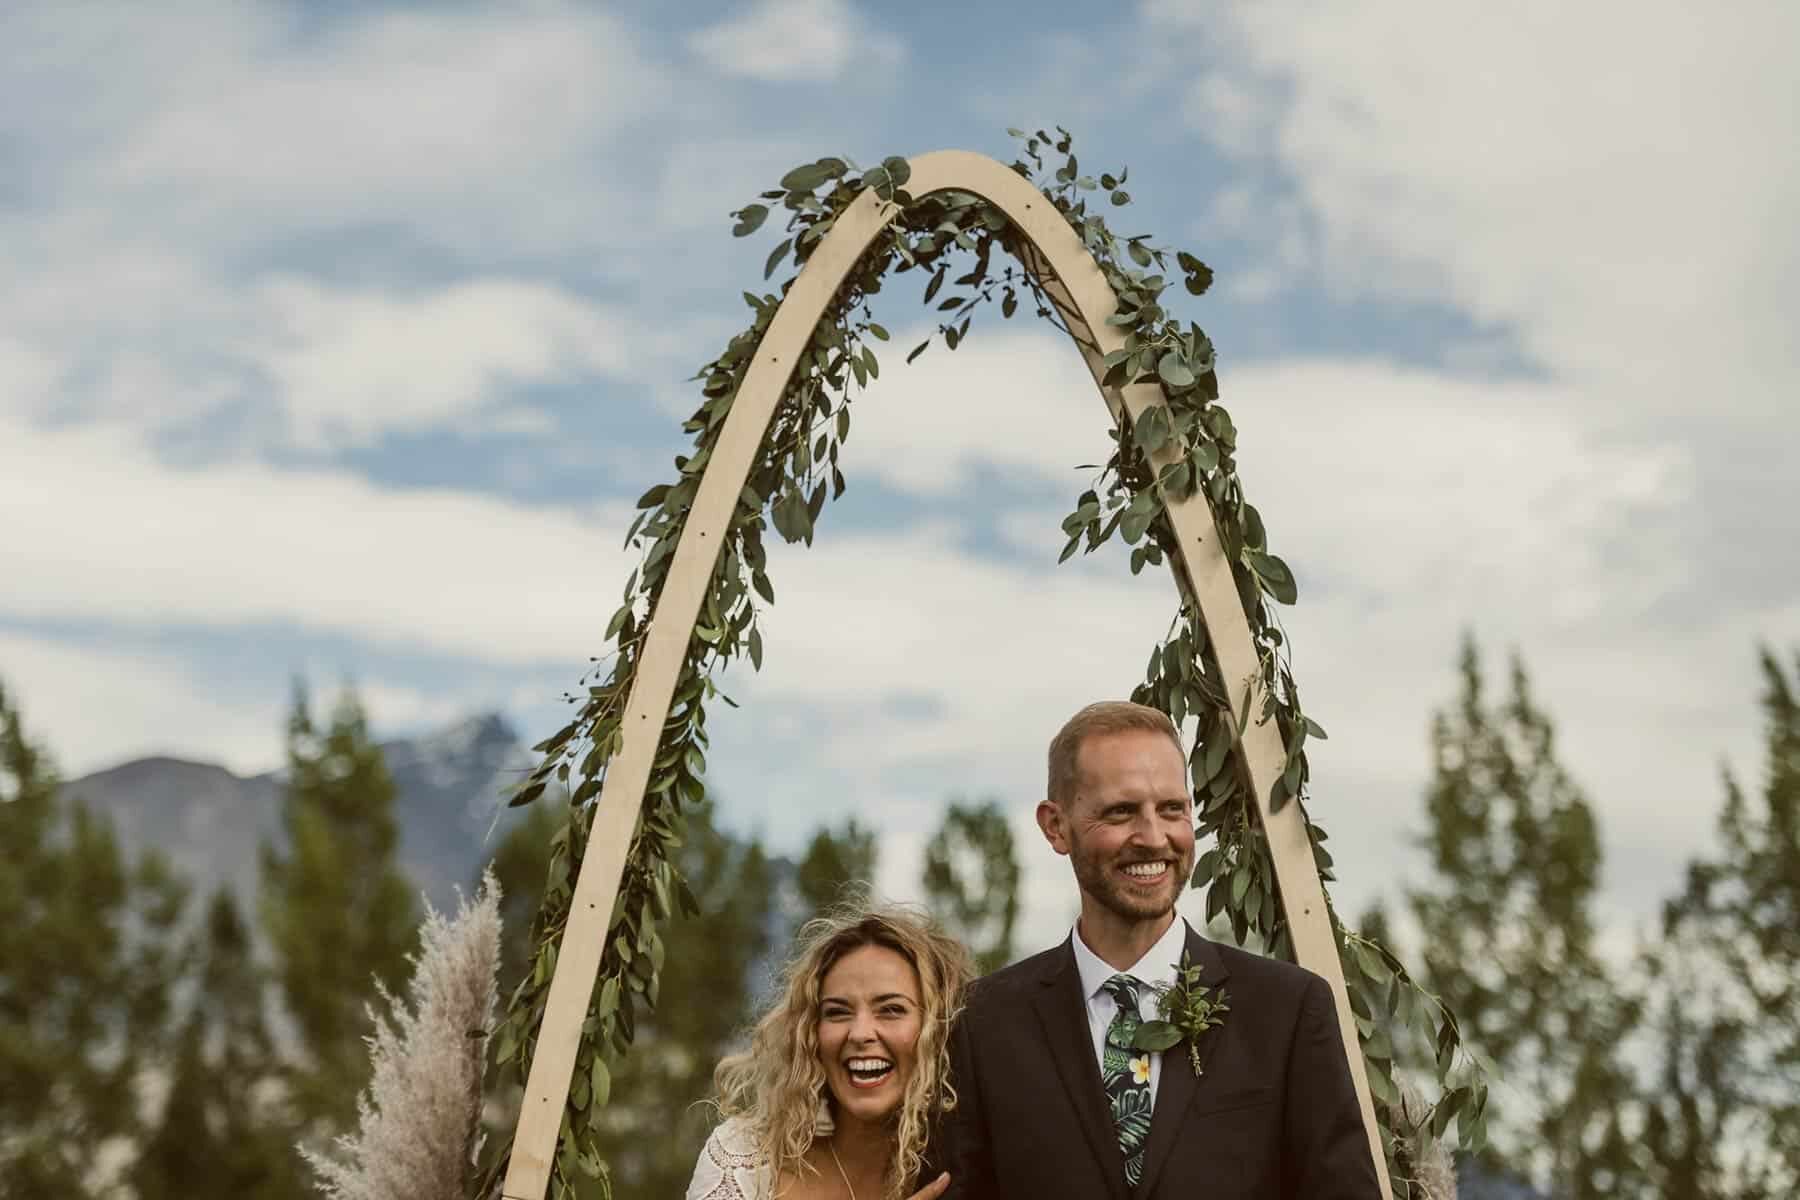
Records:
x=1156, y=968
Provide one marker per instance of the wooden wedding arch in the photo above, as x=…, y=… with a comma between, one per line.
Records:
x=1074, y=283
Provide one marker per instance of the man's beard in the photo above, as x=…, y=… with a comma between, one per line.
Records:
x=1098, y=880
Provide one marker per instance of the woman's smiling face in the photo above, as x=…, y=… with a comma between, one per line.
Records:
x=869, y=1021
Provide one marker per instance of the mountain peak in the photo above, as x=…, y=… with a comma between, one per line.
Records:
x=448, y=785
x=162, y=766
x=480, y=745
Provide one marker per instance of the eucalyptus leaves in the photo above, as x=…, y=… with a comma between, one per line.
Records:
x=1187, y=1008
x=948, y=238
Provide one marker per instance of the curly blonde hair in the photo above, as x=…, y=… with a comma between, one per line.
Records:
x=778, y=1084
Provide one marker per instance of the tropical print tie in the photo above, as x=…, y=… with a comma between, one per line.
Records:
x=1126, y=1075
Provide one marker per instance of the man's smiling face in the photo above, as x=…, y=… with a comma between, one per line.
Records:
x=1129, y=828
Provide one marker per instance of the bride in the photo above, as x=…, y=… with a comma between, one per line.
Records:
x=836, y=1097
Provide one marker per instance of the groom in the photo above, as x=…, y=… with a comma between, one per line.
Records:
x=1053, y=1086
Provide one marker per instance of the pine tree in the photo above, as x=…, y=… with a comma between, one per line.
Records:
x=85, y=976
x=338, y=912
x=836, y=862
x=219, y=1134
x=1509, y=940
x=971, y=880
x=1724, y=1117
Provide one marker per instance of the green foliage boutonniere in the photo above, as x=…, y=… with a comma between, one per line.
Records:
x=1188, y=1010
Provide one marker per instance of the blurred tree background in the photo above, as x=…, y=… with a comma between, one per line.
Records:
x=836, y=860
x=972, y=880
x=87, y=971
x=1506, y=930
x=337, y=910
x=1723, y=987
x=155, y=1044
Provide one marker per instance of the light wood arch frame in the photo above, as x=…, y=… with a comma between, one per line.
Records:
x=1076, y=286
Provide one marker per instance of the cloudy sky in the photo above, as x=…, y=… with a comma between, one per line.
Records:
x=338, y=339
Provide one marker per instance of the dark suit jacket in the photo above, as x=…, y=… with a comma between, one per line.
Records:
x=1273, y=1113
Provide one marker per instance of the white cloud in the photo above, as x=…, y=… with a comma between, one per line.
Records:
x=862, y=616
x=348, y=366
x=729, y=173
x=26, y=375
x=109, y=535
x=269, y=230
x=1484, y=495
x=174, y=159
x=1601, y=179
x=1021, y=401
x=93, y=707
x=132, y=325
x=1414, y=507
x=169, y=343
x=1230, y=112
x=787, y=41
x=432, y=119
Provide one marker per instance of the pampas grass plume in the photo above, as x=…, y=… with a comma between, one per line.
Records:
x=1425, y=1158
x=419, y=1122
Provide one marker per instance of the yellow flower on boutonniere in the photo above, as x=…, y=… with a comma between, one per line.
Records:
x=1140, y=1070
x=1188, y=1010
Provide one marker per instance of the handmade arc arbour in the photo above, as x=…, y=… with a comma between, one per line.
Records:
x=1076, y=286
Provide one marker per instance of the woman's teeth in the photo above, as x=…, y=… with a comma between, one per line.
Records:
x=867, y=1072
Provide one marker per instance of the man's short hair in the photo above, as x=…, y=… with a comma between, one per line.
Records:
x=1102, y=717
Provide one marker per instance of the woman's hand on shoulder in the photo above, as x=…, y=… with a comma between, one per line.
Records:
x=932, y=1190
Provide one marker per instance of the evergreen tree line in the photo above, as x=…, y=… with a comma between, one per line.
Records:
x=147, y=1053
x=153, y=1046
x=1670, y=1067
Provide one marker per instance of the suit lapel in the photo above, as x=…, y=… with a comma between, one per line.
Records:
x=1177, y=1085
x=1063, y=1011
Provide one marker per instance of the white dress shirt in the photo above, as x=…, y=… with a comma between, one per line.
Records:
x=1156, y=969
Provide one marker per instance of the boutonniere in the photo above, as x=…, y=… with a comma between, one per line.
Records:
x=1188, y=1010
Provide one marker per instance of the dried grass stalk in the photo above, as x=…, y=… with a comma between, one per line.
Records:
x=419, y=1123
x=1420, y=1157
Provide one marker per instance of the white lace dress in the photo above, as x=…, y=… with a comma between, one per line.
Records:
x=728, y=1168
